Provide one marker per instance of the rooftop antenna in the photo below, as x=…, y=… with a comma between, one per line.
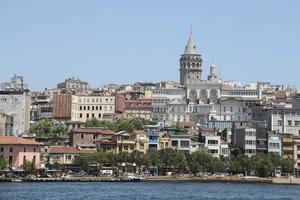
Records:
x=191, y=29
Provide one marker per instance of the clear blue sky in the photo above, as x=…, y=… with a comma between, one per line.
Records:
x=126, y=41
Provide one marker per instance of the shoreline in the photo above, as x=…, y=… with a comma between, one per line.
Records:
x=180, y=179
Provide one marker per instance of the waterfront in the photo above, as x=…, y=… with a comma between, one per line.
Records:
x=146, y=190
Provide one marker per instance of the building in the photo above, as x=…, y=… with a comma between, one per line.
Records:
x=6, y=124
x=244, y=138
x=85, y=107
x=287, y=146
x=63, y=155
x=274, y=143
x=16, y=83
x=140, y=108
x=87, y=137
x=281, y=120
x=16, y=104
x=17, y=150
x=153, y=134
x=297, y=152
x=62, y=107
x=179, y=139
x=262, y=141
x=133, y=141
x=73, y=85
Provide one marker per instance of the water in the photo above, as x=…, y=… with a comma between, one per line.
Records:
x=146, y=190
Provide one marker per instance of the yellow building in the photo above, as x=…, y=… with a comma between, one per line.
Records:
x=129, y=142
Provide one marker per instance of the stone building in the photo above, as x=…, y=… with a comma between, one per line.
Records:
x=16, y=104
x=6, y=124
x=73, y=86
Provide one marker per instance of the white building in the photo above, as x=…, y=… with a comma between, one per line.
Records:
x=86, y=107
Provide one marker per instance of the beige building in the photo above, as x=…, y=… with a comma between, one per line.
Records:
x=129, y=142
x=86, y=107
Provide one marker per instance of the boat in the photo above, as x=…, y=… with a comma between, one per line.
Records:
x=16, y=180
x=131, y=178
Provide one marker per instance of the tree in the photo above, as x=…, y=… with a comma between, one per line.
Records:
x=28, y=167
x=3, y=163
x=60, y=129
x=42, y=128
x=56, y=165
x=287, y=165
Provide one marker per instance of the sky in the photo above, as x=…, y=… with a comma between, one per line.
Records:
x=127, y=41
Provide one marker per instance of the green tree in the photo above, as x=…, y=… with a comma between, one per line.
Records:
x=42, y=128
x=287, y=165
x=60, y=129
x=28, y=167
x=56, y=166
x=3, y=163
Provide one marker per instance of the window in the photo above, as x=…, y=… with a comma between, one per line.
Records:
x=297, y=123
x=25, y=150
x=80, y=115
x=289, y=122
x=80, y=107
x=231, y=109
x=34, y=149
x=94, y=136
x=174, y=143
x=212, y=142
x=87, y=115
x=33, y=160
x=250, y=142
x=11, y=149
x=213, y=151
x=68, y=157
x=10, y=160
x=24, y=159
x=93, y=115
x=2, y=149
x=84, y=107
x=184, y=143
x=224, y=109
x=99, y=115
x=279, y=122
x=81, y=136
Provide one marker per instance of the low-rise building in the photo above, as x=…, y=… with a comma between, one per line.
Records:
x=136, y=140
x=17, y=150
x=63, y=154
x=88, y=136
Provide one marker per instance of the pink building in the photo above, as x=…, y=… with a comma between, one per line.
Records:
x=16, y=150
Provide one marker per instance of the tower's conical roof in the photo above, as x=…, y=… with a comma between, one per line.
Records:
x=190, y=47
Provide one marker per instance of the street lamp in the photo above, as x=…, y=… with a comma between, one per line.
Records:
x=134, y=167
x=123, y=167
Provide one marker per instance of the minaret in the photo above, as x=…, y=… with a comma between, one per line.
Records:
x=190, y=63
x=213, y=73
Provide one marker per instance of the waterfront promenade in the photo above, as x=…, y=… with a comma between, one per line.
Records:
x=254, y=180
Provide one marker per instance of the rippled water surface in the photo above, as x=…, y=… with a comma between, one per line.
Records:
x=146, y=190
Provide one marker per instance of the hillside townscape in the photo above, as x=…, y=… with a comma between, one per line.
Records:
x=200, y=126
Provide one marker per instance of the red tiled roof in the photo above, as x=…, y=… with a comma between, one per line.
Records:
x=17, y=140
x=107, y=132
x=62, y=149
x=106, y=141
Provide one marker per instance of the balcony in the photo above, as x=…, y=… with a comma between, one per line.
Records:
x=287, y=148
x=287, y=140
